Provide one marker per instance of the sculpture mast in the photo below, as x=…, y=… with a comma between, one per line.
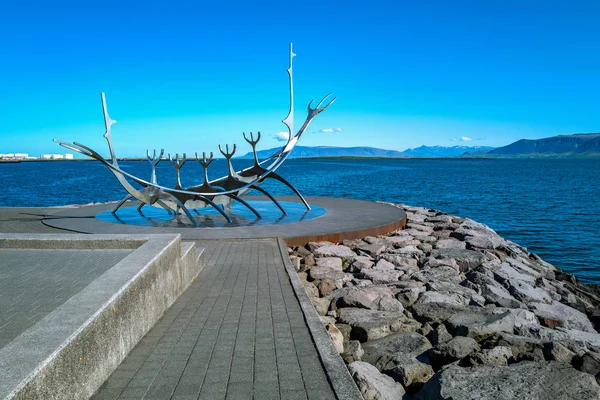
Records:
x=289, y=120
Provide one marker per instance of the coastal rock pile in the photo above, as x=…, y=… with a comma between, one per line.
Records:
x=447, y=308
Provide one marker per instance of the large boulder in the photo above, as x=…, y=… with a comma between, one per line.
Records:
x=374, y=385
x=379, y=276
x=435, y=312
x=505, y=272
x=567, y=316
x=480, y=325
x=466, y=259
x=449, y=244
x=403, y=356
x=496, y=294
x=331, y=262
x=453, y=350
x=319, y=273
x=370, y=324
x=525, y=380
x=372, y=297
x=334, y=251
x=525, y=292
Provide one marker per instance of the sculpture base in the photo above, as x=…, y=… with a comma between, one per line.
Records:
x=211, y=218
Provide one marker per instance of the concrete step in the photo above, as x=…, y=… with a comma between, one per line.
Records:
x=72, y=350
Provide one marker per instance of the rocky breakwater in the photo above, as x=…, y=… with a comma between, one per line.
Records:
x=448, y=309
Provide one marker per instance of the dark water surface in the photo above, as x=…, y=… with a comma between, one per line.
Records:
x=549, y=206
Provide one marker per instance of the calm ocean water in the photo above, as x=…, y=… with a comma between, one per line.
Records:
x=551, y=207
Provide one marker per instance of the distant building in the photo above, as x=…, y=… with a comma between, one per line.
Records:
x=46, y=157
x=7, y=155
x=21, y=155
x=68, y=156
x=57, y=156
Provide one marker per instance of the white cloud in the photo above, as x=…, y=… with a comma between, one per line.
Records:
x=465, y=139
x=330, y=130
x=453, y=139
x=282, y=136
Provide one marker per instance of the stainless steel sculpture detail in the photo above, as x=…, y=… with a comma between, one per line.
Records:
x=218, y=193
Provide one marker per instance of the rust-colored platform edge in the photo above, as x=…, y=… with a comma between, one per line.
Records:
x=338, y=237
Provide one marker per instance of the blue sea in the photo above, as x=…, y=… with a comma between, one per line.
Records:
x=552, y=207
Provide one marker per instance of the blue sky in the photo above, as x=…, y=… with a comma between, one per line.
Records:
x=186, y=76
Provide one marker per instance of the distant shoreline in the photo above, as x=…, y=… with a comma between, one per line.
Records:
x=523, y=157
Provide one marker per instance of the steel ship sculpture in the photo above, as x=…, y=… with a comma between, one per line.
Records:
x=219, y=193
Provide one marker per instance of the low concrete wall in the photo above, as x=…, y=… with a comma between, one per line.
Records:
x=72, y=351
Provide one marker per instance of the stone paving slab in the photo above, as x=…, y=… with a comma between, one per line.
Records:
x=34, y=282
x=238, y=332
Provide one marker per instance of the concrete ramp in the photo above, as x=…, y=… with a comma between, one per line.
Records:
x=73, y=306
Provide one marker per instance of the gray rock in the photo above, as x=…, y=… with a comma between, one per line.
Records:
x=481, y=325
x=569, y=317
x=419, y=227
x=523, y=291
x=439, y=334
x=321, y=304
x=466, y=259
x=372, y=297
x=370, y=324
x=440, y=219
x=374, y=385
x=326, y=286
x=353, y=351
x=500, y=296
x=409, y=251
x=453, y=350
x=484, y=242
x=522, y=347
x=334, y=251
x=383, y=265
x=425, y=247
x=435, y=312
x=398, y=240
x=362, y=262
x=449, y=244
x=588, y=363
x=295, y=262
x=407, y=297
x=525, y=380
x=555, y=351
x=438, y=274
x=311, y=289
x=381, y=276
x=302, y=251
x=504, y=272
x=318, y=273
x=330, y=262
x=373, y=249
x=434, y=263
x=312, y=246
x=403, y=356
x=455, y=299
x=499, y=355
x=401, y=261
x=309, y=260
x=336, y=337
x=450, y=288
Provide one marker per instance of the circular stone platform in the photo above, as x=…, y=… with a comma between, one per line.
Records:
x=343, y=219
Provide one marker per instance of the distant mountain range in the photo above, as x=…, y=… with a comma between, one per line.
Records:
x=578, y=145
x=328, y=151
x=441, y=151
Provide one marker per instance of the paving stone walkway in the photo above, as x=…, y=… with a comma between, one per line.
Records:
x=237, y=332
